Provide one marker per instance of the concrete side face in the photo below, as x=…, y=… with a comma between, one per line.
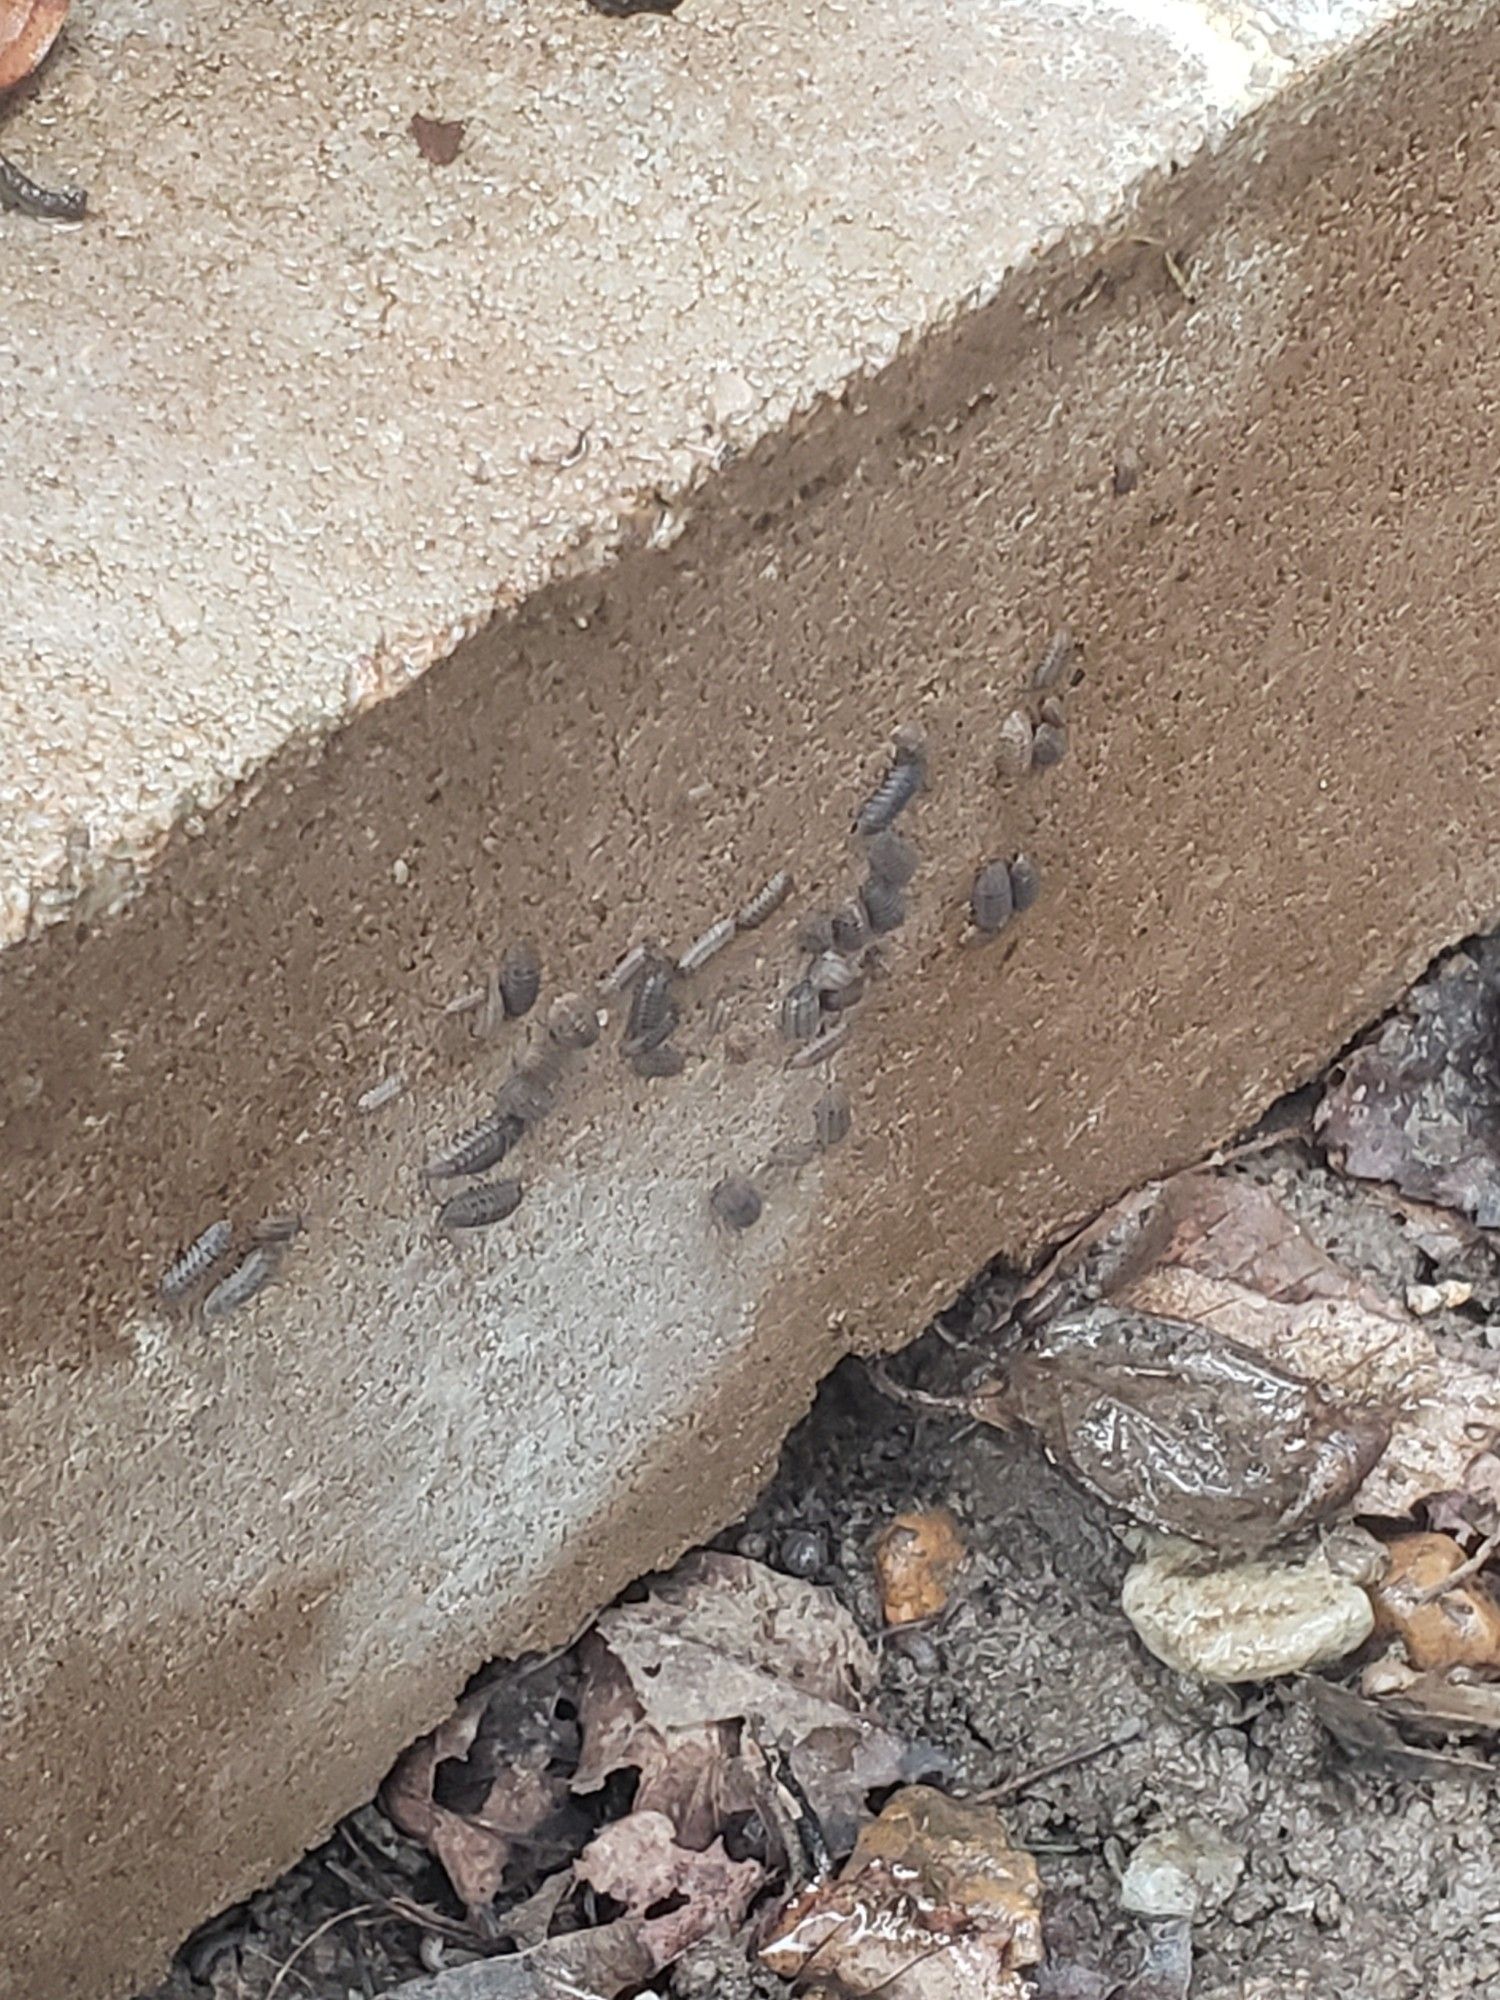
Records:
x=261, y=1558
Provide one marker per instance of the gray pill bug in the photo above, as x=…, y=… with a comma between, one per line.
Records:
x=251, y=1275
x=478, y=1149
x=1052, y=710
x=893, y=858
x=765, y=902
x=529, y=1091
x=1025, y=882
x=1057, y=657
x=1050, y=746
x=832, y=1118
x=196, y=1261
x=479, y=1206
x=653, y=1013
x=520, y=978
x=708, y=945
x=573, y=1021
x=990, y=898
x=664, y=1060
x=801, y=1012
x=885, y=906
x=896, y=790
x=736, y=1202
x=1013, y=756
x=851, y=926
x=830, y=973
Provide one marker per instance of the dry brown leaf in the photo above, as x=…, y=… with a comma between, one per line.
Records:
x=723, y=1640
x=1458, y=1627
x=28, y=28
x=639, y=1862
x=934, y=1904
x=1417, y=1104
x=438, y=139
x=917, y=1557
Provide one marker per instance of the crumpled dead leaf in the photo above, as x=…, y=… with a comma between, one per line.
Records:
x=724, y=1655
x=484, y=1782
x=28, y=28
x=1419, y=1104
x=1438, y=1628
x=676, y=1895
x=934, y=1904
x=1184, y=1429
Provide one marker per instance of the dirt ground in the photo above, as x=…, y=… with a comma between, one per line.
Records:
x=1359, y=1883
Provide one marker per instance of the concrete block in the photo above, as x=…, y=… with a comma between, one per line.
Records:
x=403, y=558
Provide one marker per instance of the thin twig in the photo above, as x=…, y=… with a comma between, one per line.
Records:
x=338, y=1917
x=1027, y=1779
x=914, y=1399
x=1465, y=1570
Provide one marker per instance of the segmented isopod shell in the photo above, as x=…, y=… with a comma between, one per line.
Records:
x=527, y=1093
x=820, y=1049
x=520, y=978
x=831, y=973
x=832, y=1117
x=477, y=1207
x=893, y=858
x=478, y=1149
x=1013, y=756
x=251, y=1275
x=652, y=1014
x=196, y=1261
x=885, y=906
x=766, y=901
x=895, y=793
x=851, y=926
x=703, y=948
x=990, y=898
x=1050, y=746
x=1057, y=656
x=801, y=1012
x=573, y=1021
x=1025, y=882
x=736, y=1202
x=662, y=1061
x=20, y=191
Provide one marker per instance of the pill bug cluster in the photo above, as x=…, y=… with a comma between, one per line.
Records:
x=841, y=951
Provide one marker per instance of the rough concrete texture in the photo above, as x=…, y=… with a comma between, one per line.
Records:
x=852, y=378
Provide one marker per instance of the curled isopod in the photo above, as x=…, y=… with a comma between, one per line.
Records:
x=815, y=933
x=851, y=926
x=251, y=1275
x=832, y=1117
x=653, y=1014
x=1057, y=657
x=707, y=946
x=1013, y=756
x=821, y=1047
x=530, y=1089
x=893, y=858
x=830, y=972
x=1025, y=882
x=573, y=1021
x=885, y=906
x=766, y=901
x=478, y=1149
x=664, y=1060
x=1050, y=746
x=736, y=1202
x=801, y=1012
x=990, y=898
x=478, y=1206
x=895, y=792
x=196, y=1261
x=520, y=978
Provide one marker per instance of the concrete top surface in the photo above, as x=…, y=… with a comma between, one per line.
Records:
x=295, y=409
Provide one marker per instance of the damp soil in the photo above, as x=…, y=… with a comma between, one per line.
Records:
x=1359, y=1883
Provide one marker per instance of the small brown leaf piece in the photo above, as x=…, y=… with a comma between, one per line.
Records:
x=638, y=1862
x=28, y=28
x=438, y=139
x=1459, y=1627
x=916, y=1559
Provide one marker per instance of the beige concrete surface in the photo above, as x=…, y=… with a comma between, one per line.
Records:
x=850, y=467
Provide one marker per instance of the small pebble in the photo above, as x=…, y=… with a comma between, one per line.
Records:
x=753, y=1545
x=804, y=1553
